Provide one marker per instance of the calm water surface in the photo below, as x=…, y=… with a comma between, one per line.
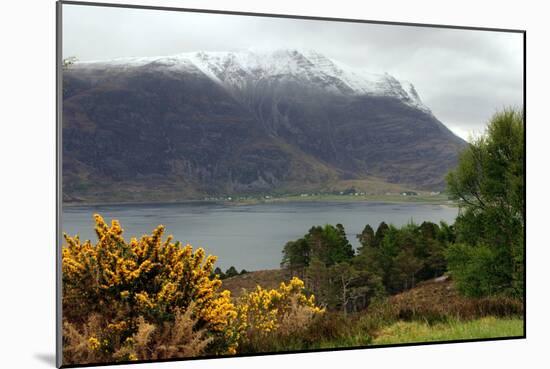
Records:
x=249, y=236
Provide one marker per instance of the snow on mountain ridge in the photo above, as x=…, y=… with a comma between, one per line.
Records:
x=234, y=70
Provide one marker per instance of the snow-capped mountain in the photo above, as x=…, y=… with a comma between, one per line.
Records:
x=239, y=70
x=212, y=123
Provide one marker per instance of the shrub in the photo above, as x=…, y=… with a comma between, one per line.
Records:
x=146, y=281
x=334, y=330
x=98, y=341
x=153, y=299
x=174, y=339
x=434, y=301
x=270, y=315
x=83, y=345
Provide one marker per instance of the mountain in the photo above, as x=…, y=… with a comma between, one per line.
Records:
x=215, y=123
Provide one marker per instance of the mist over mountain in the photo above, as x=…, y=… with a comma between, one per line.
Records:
x=218, y=123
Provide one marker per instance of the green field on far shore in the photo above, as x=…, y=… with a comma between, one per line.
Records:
x=438, y=199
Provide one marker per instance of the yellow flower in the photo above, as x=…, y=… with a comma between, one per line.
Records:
x=263, y=310
x=93, y=343
x=146, y=276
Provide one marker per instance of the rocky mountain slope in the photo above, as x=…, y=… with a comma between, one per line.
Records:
x=214, y=123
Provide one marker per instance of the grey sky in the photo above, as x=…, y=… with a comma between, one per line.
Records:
x=463, y=76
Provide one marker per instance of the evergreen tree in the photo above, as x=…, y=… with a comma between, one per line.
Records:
x=231, y=272
x=329, y=244
x=380, y=234
x=296, y=256
x=404, y=270
x=429, y=230
x=366, y=238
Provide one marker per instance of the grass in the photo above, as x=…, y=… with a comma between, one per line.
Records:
x=336, y=331
x=414, y=331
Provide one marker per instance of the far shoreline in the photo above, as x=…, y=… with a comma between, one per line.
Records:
x=373, y=199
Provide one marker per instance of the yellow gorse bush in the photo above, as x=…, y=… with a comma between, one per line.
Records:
x=263, y=311
x=149, y=277
x=152, y=298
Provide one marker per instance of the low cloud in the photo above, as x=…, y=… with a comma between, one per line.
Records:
x=463, y=76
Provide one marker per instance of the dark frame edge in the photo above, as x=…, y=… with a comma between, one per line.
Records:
x=288, y=16
x=58, y=182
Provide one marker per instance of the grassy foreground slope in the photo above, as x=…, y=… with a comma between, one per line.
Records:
x=414, y=332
